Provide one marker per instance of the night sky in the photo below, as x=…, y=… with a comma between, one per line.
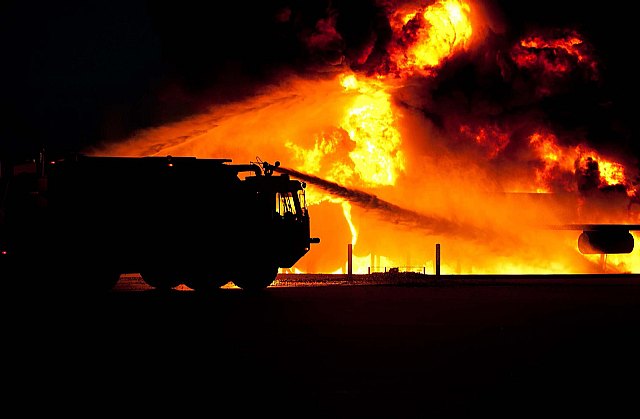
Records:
x=81, y=73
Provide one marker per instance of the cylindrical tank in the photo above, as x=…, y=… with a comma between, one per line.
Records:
x=605, y=242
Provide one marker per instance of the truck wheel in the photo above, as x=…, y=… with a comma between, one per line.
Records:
x=256, y=279
x=161, y=279
x=203, y=282
x=91, y=281
x=59, y=277
x=105, y=281
x=94, y=275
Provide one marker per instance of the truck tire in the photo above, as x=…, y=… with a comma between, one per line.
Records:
x=204, y=282
x=160, y=279
x=91, y=281
x=256, y=279
x=60, y=277
x=91, y=270
x=106, y=281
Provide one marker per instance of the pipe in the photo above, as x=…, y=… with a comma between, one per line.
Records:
x=437, y=259
x=350, y=259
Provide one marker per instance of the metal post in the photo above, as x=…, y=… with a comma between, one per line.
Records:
x=437, y=259
x=350, y=259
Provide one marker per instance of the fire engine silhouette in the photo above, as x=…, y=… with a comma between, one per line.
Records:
x=174, y=220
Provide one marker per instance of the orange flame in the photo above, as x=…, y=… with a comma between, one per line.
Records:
x=368, y=127
x=370, y=122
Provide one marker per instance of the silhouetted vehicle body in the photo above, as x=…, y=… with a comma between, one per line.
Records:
x=174, y=220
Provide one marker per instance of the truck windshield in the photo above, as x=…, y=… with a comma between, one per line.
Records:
x=286, y=203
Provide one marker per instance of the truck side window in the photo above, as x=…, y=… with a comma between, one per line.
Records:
x=303, y=202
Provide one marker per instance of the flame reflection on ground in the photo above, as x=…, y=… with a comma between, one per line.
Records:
x=134, y=282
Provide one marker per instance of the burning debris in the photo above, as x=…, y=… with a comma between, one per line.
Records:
x=449, y=130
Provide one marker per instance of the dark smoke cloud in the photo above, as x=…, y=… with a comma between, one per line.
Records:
x=80, y=75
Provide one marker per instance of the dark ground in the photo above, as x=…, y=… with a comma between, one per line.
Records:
x=390, y=351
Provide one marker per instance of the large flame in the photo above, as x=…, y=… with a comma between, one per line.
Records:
x=394, y=179
x=428, y=36
x=366, y=133
x=370, y=124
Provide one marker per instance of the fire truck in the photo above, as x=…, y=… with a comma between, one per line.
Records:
x=84, y=220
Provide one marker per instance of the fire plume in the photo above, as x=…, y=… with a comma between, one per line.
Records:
x=400, y=152
x=370, y=123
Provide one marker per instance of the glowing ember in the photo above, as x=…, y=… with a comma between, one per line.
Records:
x=570, y=44
x=489, y=137
x=554, y=58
